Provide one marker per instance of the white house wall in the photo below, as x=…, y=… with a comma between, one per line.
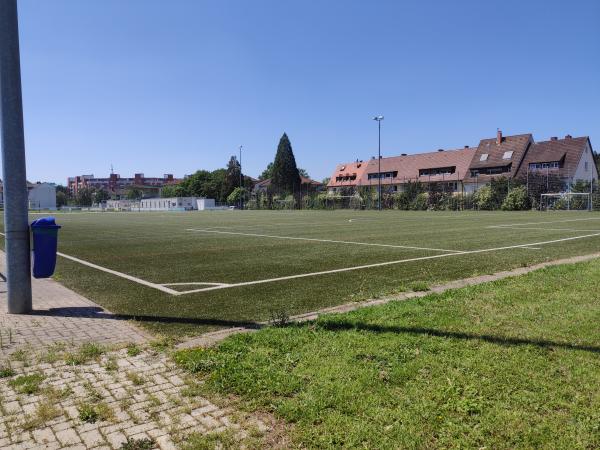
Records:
x=583, y=172
x=42, y=196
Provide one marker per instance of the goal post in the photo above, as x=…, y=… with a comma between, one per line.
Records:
x=566, y=201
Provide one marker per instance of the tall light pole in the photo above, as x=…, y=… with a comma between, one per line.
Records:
x=379, y=119
x=241, y=182
x=16, y=227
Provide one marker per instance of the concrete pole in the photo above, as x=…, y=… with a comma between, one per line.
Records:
x=16, y=227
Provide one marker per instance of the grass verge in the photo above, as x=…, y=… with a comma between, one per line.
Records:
x=509, y=364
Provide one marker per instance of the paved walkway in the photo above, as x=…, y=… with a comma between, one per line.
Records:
x=58, y=392
x=101, y=403
x=60, y=315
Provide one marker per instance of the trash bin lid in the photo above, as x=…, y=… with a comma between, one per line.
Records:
x=44, y=222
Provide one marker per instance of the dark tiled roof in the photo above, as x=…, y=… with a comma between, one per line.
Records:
x=516, y=144
x=570, y=149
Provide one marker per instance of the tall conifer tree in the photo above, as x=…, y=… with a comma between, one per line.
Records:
x=286, y=178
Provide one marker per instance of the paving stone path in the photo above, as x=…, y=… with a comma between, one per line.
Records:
x=100, y=403
x=73, y=375
x=60, y=315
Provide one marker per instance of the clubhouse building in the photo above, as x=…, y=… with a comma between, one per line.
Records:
x=464, y=170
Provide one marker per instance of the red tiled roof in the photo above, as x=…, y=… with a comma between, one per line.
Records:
x=407, y=168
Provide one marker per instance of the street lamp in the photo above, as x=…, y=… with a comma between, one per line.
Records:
x=16, y=227
x=379, y=119
x=241, y=182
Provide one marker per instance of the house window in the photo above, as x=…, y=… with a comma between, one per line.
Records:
x=507, y=155
x=546, y=165
x=586, y=166
x=437, y=171
x=374, y=176
x=484, y=157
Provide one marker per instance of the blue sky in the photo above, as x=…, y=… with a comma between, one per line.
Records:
x=174, y=86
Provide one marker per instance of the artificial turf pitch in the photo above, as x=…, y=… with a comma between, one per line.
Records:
x=246, y=258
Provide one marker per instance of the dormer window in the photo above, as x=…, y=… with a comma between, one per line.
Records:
x=507, y=155
x=484, y=157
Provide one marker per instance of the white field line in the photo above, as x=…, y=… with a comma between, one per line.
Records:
x=193, y=283
x=387, y=263
x=163, y=288
x=119, y=274
x=160, y=287
x=542, y=229
x=322, y=240
x=543, y=223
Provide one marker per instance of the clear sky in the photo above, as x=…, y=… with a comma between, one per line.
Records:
x=174, y=86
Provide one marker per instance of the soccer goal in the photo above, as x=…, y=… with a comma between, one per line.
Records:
x=566, y=201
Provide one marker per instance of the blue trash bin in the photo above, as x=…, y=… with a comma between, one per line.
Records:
x=45, y=239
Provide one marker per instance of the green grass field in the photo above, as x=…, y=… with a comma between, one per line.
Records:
x=239, y=263
x=503, y=365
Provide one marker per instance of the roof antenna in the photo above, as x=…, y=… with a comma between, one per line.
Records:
x=111, y=169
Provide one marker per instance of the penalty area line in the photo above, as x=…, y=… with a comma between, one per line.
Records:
x=116, y=273
x=387, y=263
x=330, y=241
x=160, y=287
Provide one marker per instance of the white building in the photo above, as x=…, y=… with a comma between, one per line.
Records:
x=205, y=203
x=42, y=196
x=121, y=205
x=169, y=204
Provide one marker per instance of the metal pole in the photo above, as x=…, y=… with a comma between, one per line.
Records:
x=379, y=155
x=591, y=191
x=241, y=182
x=16, y=227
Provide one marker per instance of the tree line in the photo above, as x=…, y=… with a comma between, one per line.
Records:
x=222, y=184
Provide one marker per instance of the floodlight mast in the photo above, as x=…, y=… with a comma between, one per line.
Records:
x=241, y=182
x=16, y=228
x=379, y=119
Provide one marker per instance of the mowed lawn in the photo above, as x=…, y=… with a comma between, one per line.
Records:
x=509, y=364
x=247, y=246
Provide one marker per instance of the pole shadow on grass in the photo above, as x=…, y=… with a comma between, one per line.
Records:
x=96, y=312
x=499, y=340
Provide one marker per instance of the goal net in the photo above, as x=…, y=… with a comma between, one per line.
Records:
x=566, y=201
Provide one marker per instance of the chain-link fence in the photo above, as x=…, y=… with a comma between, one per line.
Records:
x=526, y=193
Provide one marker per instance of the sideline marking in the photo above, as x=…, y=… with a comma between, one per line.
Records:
x=160, y=287
x=322, y=240
x=193, y=283
x=542, y=223
x=388, y=263
x=504, y=227
x=163, y=288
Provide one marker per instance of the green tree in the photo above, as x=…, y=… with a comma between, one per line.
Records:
x=84, y=197
x=236, y=194
x=303, y=173
x=101, y=195
x=134, y=193
x=285, y=177
x=516, y=200
x=61, y=199
x=62, y=196
x=483, y=198
x=267, y=173
x=233, y=175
